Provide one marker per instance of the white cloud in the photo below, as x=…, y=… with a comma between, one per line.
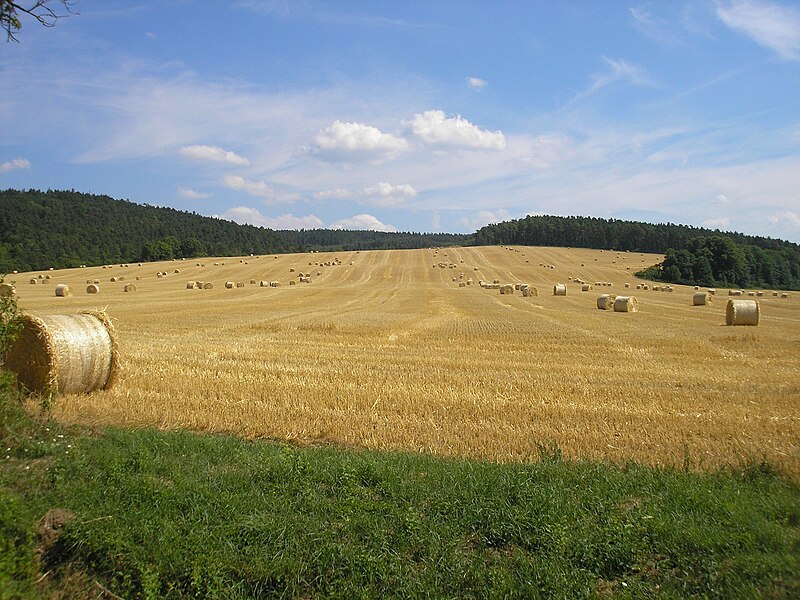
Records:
x=348, y=139
x=213, y=153
x=434, y=127
x=484, y=217
x=17, y=163
x=260, y=189
x=337, y=194
x=720, y=223
x=363, y=221
x=549, y=149
x=619, y=70
x=721, y=199
x=184, y=192
x=386, y=194
x=251, y=216
x=476, y=83
x=769, y=24
x=789, y=218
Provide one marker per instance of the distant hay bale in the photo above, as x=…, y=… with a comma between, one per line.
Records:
x=734, y=292
x=159, y=275
x=263, y=283
x=656, y=288
x=62, y=290
x=177, y=271
x=65, y=353
x=33, y=281
x=230, y=285
x=626, y=304
x=92, y=289
x=274, y=284
x=586, y=287
x=129, y=287
x=292, y=282
x=775, y=294
x=507, y=289
x=528, y=291
x=559, y=289
x=192, y=285
x=291, y=270
x=638, y=286
x=113, y=280
x=462, y=284
x=495, y=281
x=319, y=273
x=208, y=285
x=742, y=312
x=645, y=287
x=627, y=285
x=712, y=291
x=474, y=268
x=7, y=290
x=252, y=282
x=784, y=295
x=697, y=287
x=606, y=301
x=239, y=284
x=47, y=276
x=751, y=293
x=702, y=299
x=760, y=294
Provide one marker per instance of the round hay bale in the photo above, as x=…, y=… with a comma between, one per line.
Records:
x=65, y=353
x=129, y=287
x=742, y=312
x=264, y=284
x=462, y=284
x=62, y=290
x=712, y=291
x=701, y=299
x=92, y=289
x=208, y=285
x=734, y=292
x=586, y=287
x=191, y=285
x=606, y=301
x=774, y=294
x=239, y=284
x=760, y=294
x=252, y=282
x=626, y=304
x=33, y=281
x=528, y=291
x=507, y=289
x=292, y=282
x=48, y=276
x=230, y=285
x=177, y=271
x=751, y=294
x=559, y=289
x=7, y=290
x=113, y=280
x=627, y=285
x=784, y=295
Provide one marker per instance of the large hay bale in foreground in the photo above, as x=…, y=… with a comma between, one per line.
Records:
x=559, y=289
x=742, y=312
x=65, y=353
x=626, y=304
x=62, y=290
x=702, y=298
x=606, y=301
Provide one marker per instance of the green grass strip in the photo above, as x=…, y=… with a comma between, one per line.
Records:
x=180, y=515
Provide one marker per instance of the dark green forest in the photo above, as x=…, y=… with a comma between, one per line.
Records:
x=62, y=229
x=693, y=255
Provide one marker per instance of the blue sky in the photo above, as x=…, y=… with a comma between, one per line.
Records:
x=415, y=115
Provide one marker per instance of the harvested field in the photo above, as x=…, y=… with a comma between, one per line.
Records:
x=387, y=353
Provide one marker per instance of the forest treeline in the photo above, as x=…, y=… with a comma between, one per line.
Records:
x=62, y=229
x=693, y=255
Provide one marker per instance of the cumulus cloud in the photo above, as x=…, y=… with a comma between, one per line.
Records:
x=364, y=221
x=335, y=194
x=785, y=218
x=476, y=83
x=17, y=163
x=768, y=24
x=484, y=217
x=436, y=128
x=252, y=216
x=386, y=194
x=721, y=199
x=184, y=192
x=351, y=139
x=720, y=223
x=213, y=153
x=259, y=188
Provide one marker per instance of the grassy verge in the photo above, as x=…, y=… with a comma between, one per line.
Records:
x=151, y=514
